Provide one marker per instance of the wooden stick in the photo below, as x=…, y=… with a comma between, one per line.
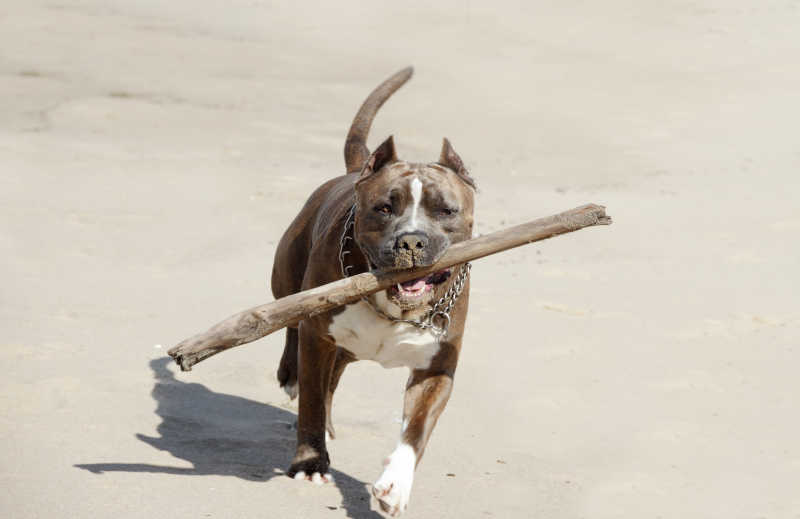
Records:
x=262, y=320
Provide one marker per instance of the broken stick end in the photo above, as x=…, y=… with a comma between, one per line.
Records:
x=179, y=358
x=600, y=214
x=181, y=361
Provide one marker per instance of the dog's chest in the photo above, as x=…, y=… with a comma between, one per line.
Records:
x=370, y=337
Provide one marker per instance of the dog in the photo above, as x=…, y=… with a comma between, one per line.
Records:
x=383, y=214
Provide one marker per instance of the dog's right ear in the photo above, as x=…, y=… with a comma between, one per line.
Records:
x=383, y=154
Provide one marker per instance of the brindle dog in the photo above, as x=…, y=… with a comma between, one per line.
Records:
x=405, y=215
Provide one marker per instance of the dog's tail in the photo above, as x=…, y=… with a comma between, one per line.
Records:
x=355, y=147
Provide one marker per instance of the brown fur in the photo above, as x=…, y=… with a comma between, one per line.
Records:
x=307, y=257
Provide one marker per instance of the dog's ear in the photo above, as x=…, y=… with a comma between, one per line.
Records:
x=383, y=154
x=450, y=159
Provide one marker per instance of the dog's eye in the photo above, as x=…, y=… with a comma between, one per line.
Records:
x=384, y=209
x=448, y=211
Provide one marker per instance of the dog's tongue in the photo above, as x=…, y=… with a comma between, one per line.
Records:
x=414, y=285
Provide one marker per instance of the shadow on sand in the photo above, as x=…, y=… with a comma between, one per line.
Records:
x=226, y=435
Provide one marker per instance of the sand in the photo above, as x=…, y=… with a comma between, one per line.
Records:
x=152, y=153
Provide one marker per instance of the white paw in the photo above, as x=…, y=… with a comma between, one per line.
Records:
x=393, y=488
x=316, y=477
x=291, y=390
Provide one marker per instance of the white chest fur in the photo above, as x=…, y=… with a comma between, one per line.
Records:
x=369, y=336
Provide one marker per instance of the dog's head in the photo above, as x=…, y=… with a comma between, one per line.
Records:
x=408, y=214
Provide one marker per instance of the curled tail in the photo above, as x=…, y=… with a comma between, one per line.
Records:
x=355, y=147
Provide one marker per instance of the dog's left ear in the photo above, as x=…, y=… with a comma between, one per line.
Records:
x=450, y=159
x=383, y=154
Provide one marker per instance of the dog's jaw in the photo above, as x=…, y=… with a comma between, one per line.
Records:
x=418, y=292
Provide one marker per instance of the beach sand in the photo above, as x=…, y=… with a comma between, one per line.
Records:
x=152, y=153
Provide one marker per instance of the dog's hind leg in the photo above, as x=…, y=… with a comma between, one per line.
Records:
x=288, y=270
x=342, y=360
x=287, y=369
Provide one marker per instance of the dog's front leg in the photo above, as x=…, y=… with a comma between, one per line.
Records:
x=426, y=395
x=316, y=360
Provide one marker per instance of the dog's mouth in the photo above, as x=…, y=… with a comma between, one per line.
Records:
x=414, y=292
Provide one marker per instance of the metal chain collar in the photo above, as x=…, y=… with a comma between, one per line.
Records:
x=441, y=309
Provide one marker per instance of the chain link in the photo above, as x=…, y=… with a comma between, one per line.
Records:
x=348, y=224
x=440, y=310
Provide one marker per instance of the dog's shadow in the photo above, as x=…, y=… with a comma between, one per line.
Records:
x=226, y=435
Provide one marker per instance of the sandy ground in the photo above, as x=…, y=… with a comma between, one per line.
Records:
x=151, y=154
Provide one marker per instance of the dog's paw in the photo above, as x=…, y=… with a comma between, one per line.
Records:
x=291, y=390
x=393, y=488
x=316, y=477
x=308, y=466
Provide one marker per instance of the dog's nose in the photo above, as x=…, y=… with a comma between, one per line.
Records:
x=412, y=242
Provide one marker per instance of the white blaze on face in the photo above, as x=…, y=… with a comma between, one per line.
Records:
x=393, y=488
x=416, y=199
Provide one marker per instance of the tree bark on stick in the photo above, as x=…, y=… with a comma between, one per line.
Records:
x=257, y=322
